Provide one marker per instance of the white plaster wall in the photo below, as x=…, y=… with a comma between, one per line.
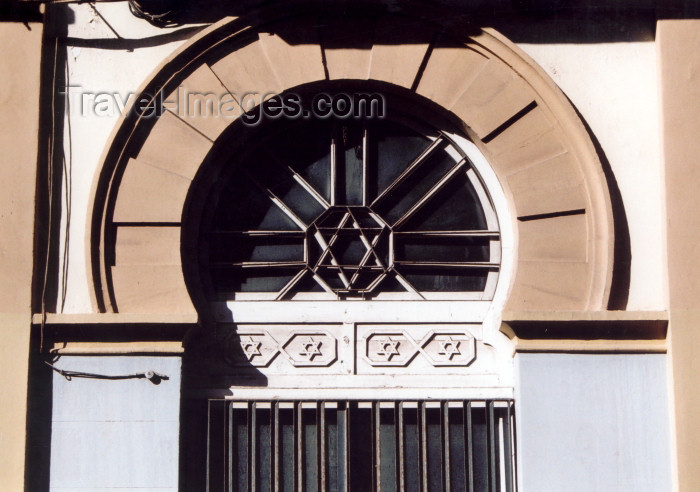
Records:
x=615, y=87
x=115, y=434
x=592, y=423
x=94, y=70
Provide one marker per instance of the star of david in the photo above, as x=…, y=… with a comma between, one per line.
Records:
x=389, y=347
x=251, y=348
x=351, y=243
x=449, y=347
x=310, y=348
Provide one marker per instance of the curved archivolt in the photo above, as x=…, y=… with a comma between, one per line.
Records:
x=520, y=121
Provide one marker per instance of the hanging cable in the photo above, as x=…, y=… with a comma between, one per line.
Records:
x=152, y=376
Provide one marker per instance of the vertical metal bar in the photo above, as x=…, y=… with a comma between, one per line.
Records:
x=491, y=430
x=445, y=447
x=469, y=452
x=252, y=440
x=397, y=447
x=299, y=458
x=508, y=444
x=376, y=455
x=343, y=460
x=401, y=455
x=334, y=164
x=229, y=447
x=275, y=448
x=423, y=444
x=321, y=445
x=209, y=453
x=365, y=201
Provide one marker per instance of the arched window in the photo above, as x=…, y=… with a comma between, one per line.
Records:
x=383, y=208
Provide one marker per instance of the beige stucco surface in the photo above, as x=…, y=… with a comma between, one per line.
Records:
x=19, y=123
x=680, y=80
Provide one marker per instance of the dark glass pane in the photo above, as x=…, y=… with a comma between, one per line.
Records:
x=442, y=248
x=446, y=279
x=457, y=449
x=361, y=447
x=243, y=206
x=412, y=463
x=307, y=149
x=287, y=447
x=387, y=450
x=263, y=449
x=434, y=448
x=455, y=207
x=480, y=448
x=390, y=284
x=332, y=461
x=416, y=186
x=263, y=279
x=349, y=164
x=392, y=147
x=310, y=467
x=239, y=448
x=236, y=248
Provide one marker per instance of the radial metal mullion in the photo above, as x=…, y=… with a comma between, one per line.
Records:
x=445, y=424
x=465, y=233
x=468, y=442
x=409, y=170
x=290, y=285
x=334, y=167
x=491, y=431
x=364, y=163
x=277, y=201
x=461, y=264
x=299, y=179
x=430, y=193
x=407, y=285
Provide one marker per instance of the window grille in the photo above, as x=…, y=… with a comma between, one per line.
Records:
x=350, y=209
x=361, y=446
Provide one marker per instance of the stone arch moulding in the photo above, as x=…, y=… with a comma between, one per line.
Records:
x=527, y=129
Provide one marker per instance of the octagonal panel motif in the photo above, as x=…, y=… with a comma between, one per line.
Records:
x=389, y=349
x=256, y=348
x=312, y=348
x=449, y=348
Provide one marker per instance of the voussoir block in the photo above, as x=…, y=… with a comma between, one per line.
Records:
x=450, y=71
x=295, y=56
x=203, y=103
x=347, y=47
x=147, y=245
x=248, y=74
x=150, y=289
x=554, y=239
x=148, y=193
x=395, y=61
x=552, y=186
x=175, y=147
x=495, y=96
x=551, y=285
